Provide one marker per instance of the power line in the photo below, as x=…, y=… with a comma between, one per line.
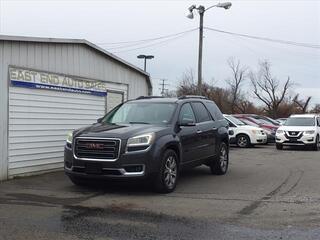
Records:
x=308, y=45
x=153, y=44
x=148, y=39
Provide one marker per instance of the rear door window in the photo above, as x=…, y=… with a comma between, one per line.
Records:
x=202, y=114
x=214, y=110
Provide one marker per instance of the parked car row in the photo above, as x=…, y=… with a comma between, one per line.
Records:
x=298, y=130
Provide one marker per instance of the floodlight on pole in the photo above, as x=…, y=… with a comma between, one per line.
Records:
x=145, y=57
x=201, y=10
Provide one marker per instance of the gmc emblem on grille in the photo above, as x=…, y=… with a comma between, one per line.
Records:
x=95, y=146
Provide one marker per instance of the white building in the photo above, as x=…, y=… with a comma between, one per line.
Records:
x=51, y=86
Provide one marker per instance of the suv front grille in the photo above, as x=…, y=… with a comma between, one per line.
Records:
x=97, y=149
x=294, y=133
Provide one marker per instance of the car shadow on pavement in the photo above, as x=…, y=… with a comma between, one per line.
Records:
x=137, y=187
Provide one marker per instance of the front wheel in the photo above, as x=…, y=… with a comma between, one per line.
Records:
x=220, y=163
x=166, y=180
x=243, y=141
x=279, y=146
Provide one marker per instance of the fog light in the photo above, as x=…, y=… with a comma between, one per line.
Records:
x=134, y=168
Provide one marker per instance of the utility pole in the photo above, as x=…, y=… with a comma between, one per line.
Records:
x=163, y=84
x=201, y=12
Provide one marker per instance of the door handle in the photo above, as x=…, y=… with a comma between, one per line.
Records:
x=214, y=128
x=199, y=131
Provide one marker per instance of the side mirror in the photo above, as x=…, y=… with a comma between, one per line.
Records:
x=187, y=122
x=99, y=120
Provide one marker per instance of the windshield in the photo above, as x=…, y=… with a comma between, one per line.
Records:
x=141, y=113
x=235, y=121
x=301, y=121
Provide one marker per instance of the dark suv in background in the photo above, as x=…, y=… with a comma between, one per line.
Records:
x=150, y=137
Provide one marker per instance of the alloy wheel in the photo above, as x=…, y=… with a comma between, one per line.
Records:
x=170, y=171
x=242, y=141
x=223, y=158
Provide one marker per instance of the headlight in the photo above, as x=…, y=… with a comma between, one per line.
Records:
x=279, y=131
x=141, y=140
x=69, y=137
x=309, y=132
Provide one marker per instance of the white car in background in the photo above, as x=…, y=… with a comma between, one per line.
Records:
x=299, y=130
x=244, y=135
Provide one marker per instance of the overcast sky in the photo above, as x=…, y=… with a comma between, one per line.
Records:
x=118, y=21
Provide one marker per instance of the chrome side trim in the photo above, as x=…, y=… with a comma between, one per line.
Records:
x=93, y=159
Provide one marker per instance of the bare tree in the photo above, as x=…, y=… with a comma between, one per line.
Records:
x=316, y=109
x=187, y=83
x=239, y=74
x=302, y=104
x=268, y=89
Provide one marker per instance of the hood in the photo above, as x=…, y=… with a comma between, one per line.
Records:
x=122, y=131
x=297, y=128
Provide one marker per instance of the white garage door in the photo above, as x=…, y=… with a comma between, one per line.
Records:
x=38, y=123
x=114, y=99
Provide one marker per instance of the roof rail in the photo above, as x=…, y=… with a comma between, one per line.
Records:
x=192, y=96
x=148, y=97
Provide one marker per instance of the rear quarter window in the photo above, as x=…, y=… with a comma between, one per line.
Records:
x=214, y=110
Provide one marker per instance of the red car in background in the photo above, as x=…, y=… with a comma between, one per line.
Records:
x=254, y=120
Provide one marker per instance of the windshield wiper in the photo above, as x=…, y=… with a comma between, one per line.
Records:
x=139, y=123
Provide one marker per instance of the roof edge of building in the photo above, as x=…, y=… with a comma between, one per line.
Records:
x=78, y=41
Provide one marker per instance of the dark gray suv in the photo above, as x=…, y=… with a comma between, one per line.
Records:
x=150, y=137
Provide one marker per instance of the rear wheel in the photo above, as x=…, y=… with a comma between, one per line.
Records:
x=279, y=146
x=316, y=145
x=243, y=141
x=220, y=163
x=166, y=180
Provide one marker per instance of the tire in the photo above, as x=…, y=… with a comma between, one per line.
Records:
x=279, y=146
x=219, y=164
x=166, y=179
x=243, y=141
x=316, y=144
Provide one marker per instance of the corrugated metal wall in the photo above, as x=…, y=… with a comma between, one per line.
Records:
x=71, y=59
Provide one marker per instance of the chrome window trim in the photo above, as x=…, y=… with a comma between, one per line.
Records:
x=94, y=159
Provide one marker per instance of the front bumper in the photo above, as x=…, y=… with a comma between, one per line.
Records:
x=259, y=139
x=302, y=140
x=139, y=164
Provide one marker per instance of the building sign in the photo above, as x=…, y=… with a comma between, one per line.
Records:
x=20, y=77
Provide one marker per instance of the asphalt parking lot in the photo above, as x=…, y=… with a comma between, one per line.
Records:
x=267, y=194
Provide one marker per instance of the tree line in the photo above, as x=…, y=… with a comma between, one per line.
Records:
x=266, y=95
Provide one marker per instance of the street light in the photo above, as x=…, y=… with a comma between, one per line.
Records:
x=145, y=57
x=201, y=9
